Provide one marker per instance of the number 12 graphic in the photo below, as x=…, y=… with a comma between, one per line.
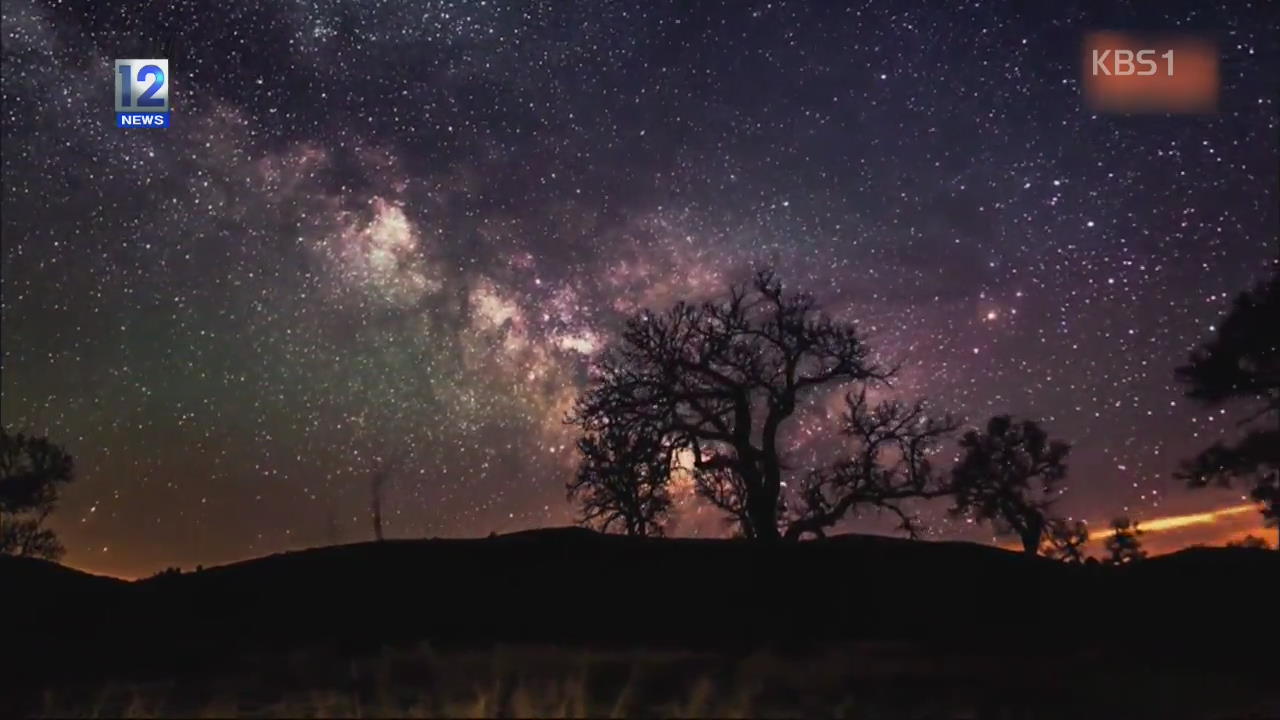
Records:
x=146, y=99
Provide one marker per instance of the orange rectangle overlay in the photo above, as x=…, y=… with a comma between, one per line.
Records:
x=1126, y=72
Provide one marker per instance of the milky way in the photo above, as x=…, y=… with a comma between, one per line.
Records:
x=395, y=233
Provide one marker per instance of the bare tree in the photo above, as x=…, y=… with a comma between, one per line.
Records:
x=623, y=480
x=1008, y=476
x=721, y=379
x=889, y=465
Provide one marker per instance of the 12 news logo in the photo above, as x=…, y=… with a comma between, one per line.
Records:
x=142, y=93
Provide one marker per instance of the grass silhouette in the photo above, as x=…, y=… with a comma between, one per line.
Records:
x=546, y=681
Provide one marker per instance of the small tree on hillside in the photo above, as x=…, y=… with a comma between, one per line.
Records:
x=623, y=480
x=32, y=471
x=1124, y=545
x=1065, y=540
x=1008, y=476
x=1242, y=363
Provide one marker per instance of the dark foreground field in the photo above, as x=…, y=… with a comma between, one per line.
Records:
x=569, y=623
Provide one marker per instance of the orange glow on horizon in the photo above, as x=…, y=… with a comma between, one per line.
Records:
x=1171, y=533
x=1215, y=527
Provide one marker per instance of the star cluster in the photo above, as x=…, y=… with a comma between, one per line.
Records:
x=397, y=231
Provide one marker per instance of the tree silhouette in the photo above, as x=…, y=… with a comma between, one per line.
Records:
x=720, y=380
x=889, y=465
x=1123, y=545
x=1065, y=540
x=1007, y=476
x=32, y=469
x=1250, y=541
x=1242, y=363
x=623, y=480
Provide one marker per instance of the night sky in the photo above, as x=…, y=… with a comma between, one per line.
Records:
x=403, y=228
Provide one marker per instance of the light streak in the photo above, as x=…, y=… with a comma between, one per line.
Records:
x=1174, y=522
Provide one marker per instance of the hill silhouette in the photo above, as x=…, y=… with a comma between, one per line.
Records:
x=574, y=587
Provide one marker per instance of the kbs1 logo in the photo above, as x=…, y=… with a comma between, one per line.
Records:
x=142, y=93
x=1122, y=61
x=1128, y=72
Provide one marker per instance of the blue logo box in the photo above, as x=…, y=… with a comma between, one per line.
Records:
x=143, y=120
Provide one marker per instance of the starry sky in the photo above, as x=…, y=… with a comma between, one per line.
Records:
x=393, y=234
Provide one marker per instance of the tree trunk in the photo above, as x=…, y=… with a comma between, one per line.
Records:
x=1031, y=539
x=762, y=513
x=765, y=525
x=765, y=507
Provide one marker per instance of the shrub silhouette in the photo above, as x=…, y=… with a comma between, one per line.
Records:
x=1250, y=541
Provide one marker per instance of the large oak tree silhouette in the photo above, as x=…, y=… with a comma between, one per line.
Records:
x=717, y=382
